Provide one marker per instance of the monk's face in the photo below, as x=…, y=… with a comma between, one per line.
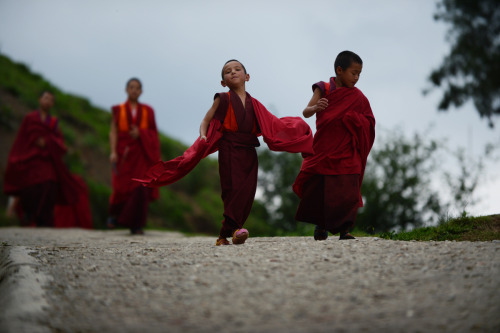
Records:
x=46, y=101
x=234, y=75
x=350, y=76
x=134, y=90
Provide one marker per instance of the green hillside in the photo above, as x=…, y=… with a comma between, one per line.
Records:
x=191, y=205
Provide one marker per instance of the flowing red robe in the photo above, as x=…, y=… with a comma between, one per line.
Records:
x=129, y=201
x=40, y=178
x=233, y=131
x=329, y=182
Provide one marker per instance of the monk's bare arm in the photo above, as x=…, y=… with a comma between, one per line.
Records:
x=315, y=105
x=113, y=138
x=208, y=118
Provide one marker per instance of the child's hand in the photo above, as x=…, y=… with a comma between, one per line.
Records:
x=321, y=105
x=203, y=137
x=40, y=142
x=113, y=157
x=134, y=132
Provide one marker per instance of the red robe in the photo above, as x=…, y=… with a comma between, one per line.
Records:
x=129, y=201
x=29, y=167
x=78, y=215
x=329, y=181
x=290, y=134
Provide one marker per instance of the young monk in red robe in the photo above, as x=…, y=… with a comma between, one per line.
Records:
x=37, y=176
x=231, y=126
x=135, y=147
x=329, y=181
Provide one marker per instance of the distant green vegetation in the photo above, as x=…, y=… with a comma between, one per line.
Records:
x=192, y=205
x=463, y=228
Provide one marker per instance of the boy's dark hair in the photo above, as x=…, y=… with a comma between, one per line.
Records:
x=46, y=92
x=222, y=71
x=345, y=59
x=134, y=79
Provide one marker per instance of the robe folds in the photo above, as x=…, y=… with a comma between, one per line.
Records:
x=129, y=201
x=290, y=134
x=332, y=177
x=39, y=177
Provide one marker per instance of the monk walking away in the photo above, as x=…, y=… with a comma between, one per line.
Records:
x=135, y=147
x=329, y=182
x=231, y=126
x=46, y=193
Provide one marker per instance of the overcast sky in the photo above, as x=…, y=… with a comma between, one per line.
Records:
x=177, y=48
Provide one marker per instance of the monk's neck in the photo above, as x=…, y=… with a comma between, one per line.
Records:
x=241, y=92
x=43, y=114
x=338, y=83
x=133, y=104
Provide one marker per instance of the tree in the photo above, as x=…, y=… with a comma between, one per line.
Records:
x=472, y=68
x=414, y=181
x=396, y=187
x=277, y=172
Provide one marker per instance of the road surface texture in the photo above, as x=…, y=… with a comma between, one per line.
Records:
x=73, y=280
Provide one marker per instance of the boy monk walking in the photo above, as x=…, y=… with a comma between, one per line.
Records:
x=231, y=126
x=135, y=147
x=49, y=195
x=329, y=181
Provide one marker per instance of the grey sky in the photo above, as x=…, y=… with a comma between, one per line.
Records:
x=177, y=48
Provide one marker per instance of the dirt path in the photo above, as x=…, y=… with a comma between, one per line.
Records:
x=103, y=281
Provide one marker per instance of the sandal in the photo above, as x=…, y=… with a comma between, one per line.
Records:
x=221, y=241
x=136, y=231
x=346, y=235
x=320, y=234
x=240, y=236
x=111, y=223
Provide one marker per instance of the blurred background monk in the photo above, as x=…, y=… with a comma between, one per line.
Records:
x=45, y=193
x=135, y=147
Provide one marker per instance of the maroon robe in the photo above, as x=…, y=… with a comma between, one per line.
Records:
x=38, y=175
x=129, y=201
x=238, y=163
x=236, y=143
x=329, y=182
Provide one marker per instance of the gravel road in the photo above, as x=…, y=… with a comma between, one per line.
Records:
x=73, y=280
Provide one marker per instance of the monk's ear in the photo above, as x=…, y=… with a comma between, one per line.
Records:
x=247, y=77
x=338, y=70
x=222, y=83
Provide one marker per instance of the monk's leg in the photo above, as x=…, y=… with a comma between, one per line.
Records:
x=38, y=203
x=238, y=168
x=341, y=203
x=311, y=206
x=135, y=211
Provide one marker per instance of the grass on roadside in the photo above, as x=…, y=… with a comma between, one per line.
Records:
x=463, y=228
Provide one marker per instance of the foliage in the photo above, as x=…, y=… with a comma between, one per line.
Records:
x=472, y=68
x=277, y=172
x=407, y=183
x=6, y=117
x=463, y=185
x=99, y=197
x=396, y=186
x=462, y=228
